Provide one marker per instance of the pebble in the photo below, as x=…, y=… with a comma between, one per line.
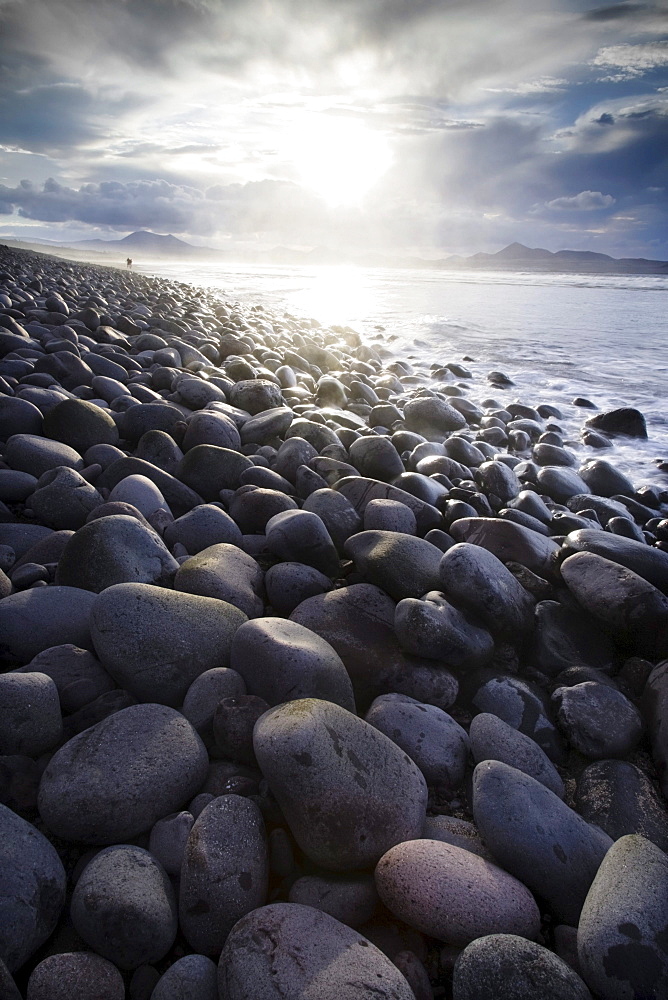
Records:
x=116, y=779
x=283, y=661
x=347, y=792
x=537, y=837
x=287, y=949
x=155, y=642
x=623, y=929
x=452, y=894
x=508, y=967
x=224, y=873
x=32, y=889
x=123, y=907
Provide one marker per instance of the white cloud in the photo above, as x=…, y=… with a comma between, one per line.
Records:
x=631, y=60
x=585, y=201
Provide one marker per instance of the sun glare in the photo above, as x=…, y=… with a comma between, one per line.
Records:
x=338, y=158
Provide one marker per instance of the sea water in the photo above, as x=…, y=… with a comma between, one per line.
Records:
x=557, y=336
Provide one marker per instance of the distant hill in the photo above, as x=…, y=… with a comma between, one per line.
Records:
x=516, y=256
x=150, y=244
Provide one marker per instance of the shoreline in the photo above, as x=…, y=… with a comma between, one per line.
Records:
x=231, y=534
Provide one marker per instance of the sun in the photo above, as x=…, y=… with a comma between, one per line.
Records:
x=338, y=158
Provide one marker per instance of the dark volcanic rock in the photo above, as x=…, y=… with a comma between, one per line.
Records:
x=625, y=421
x=620, y=798
x=36, y=619
x=508, y=967
x=402, y=565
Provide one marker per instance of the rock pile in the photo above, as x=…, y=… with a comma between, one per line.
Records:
x=320, y=677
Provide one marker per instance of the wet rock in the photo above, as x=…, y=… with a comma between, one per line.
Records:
x=123, y=907
x=155, y=642
x=113, y=550
x=347, y=791
x=620, y=798
x=116, y=779
x=282, y=661
x=508, y=542
x=224, y=872
x=481, y=972
x=655, y=707
x=624, y=421
x=536, y=837
x=432, y=417
x=561, y=483
x=604, y=479
x=32, y=889
x=645, y=560
x=453, y=895
x=623, y=928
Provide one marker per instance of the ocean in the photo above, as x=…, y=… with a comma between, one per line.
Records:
x=557, y=336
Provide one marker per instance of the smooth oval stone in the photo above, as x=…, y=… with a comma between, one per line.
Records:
x=352, y=900
x=625, y=421
x=63, y=499
x=199, y=704
x=473, y=576
x=508, y=542
x=123, y=906
x=402, y=565
x=647, y=561
x=620, y=798
x=438, y=745
x=561, y=483
x=32, y=889
x=30, y=722
x=376, y=457
x=193, y=977
x=432, y=417
x=201, y=527
x=433, y=628
x=37, y=455
x=150, y=417
x=36, y=619
x=168, y=838
x=288, y=950
x=623, y=928
x=15, y=487
x=114, y=780
x=112, y=550
x=347, y=791
x=453, y=895
x=178, y=495
x=493, y=739
x=209, y=427
x=158, y=448
x=79, y=677
x=289, y=583
x=604, y=479
x=482, y=972
x=536, y=837
x=80, y=425
x=77, y=974
x=267, y=425
x=256, y=395
x=252, y=509
x=226, y=573
x=281, y=661
x=18, y=416
x=388, y=515
x=301, y=536
x=141, y=493
x=23, y=537
x=224, y=872
x=337, y=514
x=208, y=469
x=293, y=453
x=624, y=602
x=597, y=720
x=498, y=480
x=155, y=642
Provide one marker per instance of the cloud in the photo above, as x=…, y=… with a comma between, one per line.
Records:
x=632, y=60
x=585, y=201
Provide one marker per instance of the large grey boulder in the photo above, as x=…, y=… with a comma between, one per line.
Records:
x=474, y=577
x=227, y=573
x=36, y=619
x=481, y=972
x=402, y=565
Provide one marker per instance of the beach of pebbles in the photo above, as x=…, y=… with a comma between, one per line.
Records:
x=319, y=680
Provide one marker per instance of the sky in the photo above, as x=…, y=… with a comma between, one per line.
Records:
x=419, y=127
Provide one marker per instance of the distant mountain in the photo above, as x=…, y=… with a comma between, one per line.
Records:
x=516, y=256
x=151, y=244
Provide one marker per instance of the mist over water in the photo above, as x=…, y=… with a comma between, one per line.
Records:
x=557, y=336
